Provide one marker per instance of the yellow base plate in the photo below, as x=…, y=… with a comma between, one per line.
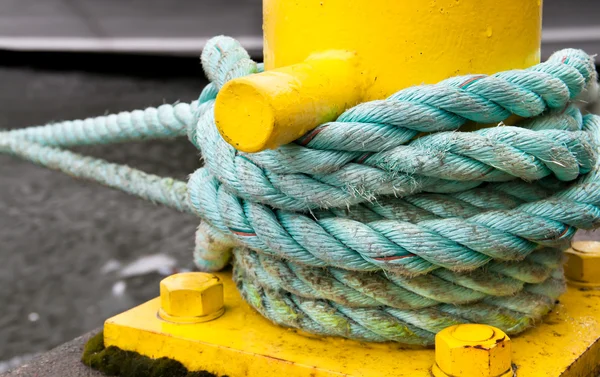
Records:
x=242, y=343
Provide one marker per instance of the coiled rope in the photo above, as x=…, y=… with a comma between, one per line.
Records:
x=388, y=224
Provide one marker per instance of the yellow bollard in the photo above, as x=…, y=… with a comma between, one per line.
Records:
x=381, y=46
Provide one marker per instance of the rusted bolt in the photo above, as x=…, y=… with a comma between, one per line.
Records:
x=191, y=297
x=583, y=264
x=472, y=350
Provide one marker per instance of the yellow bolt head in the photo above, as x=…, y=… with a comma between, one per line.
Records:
x=472, y=350
x=583, y=263
x=191, y=297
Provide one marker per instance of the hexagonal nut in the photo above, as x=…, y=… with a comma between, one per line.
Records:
x=472, y=350
x=191, y=297
x=583, y=263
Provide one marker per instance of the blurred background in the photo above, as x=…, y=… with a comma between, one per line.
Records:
x=73, y=253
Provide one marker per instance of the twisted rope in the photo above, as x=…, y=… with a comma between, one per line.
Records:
x=415, y=247
x=390, y=223
x=166, y=191
x=166, y=121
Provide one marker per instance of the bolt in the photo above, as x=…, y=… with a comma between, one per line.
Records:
x=583, y=264
x=191, y=297
x=472, y=350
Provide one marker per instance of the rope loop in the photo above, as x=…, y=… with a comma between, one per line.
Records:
x=403, y=216
x=366, y=228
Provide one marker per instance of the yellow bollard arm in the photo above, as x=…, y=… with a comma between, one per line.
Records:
x=269, y=109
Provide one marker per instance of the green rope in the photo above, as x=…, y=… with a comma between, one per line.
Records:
x=166, y=191
x=362, y=229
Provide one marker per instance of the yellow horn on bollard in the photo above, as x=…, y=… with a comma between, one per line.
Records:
x=272, y=108
x=324, y=56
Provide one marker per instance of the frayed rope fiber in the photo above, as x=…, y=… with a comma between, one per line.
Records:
x=390, y=223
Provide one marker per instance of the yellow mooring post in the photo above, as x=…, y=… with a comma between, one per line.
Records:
x=323, y=56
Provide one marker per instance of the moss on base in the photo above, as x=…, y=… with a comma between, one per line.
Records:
x=114, y=361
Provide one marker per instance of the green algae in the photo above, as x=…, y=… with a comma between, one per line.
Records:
x=113, y=361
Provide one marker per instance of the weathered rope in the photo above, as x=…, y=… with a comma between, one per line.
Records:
x=166, y=191
x=166, y=121
x=388, y=224
x=380, y=308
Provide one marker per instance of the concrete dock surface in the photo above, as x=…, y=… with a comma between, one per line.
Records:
x=62, y=361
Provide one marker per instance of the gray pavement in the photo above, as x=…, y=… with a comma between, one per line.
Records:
x=57, y=234
x=63, y=361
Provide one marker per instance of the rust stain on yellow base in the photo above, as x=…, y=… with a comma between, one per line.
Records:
x=242, y=343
